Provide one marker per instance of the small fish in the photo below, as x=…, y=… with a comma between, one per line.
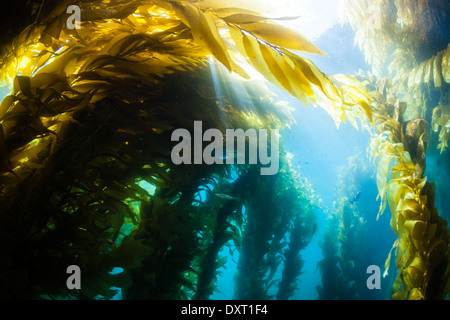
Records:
x=356, y=197
x=225, y=196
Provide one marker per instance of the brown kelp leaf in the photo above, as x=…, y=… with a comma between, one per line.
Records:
x=23, y=84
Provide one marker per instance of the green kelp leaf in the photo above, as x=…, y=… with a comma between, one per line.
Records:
x=130, y=254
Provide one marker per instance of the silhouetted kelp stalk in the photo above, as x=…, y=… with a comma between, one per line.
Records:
x=343, y=268
x=276, y=230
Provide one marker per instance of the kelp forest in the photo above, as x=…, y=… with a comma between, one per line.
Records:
x=87, y=178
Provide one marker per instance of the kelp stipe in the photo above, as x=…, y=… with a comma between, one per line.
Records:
x=423, y=237
x=280, y=217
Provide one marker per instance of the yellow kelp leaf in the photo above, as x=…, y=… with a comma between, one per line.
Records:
x=416, y=229
x=428, y=71
x=411, y=205
x=253, y=52
x=292, y=79
x=329, y=95
x=419, y=74
x=243, y=18
x=388, y=260
x=23, y=84
x=7, y=104
x=278, y=35
x=382, y=173
x=398, y=295
x=415, y=294
x=446, y=65
x=250, y=5
x=274, y=60
x=204, y=30
x=402, y=169
x=413, y=277
x=437, y=72
x=419, y=263
x=365, y=107
x=359, y=89
x=357, y=93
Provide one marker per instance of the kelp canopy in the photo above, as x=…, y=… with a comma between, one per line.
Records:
x=86, y=176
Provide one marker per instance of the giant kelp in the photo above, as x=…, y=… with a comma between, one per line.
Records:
x=422, y=245
x=85, y=168
x=86, y=172
x=412, y=89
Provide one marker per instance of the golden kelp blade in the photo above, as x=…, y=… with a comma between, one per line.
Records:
x=204, y=30
x=281, y=36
